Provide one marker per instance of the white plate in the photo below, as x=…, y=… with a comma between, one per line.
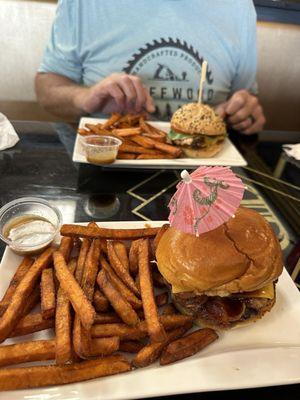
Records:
x=228, y=156
x=265, y=353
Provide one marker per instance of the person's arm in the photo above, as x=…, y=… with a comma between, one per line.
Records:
x=58, y=83
x=57, y=93
x=243, y=111
x=117, y=93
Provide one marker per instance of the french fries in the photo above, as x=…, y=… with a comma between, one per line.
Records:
x=97, y=129
x=120, y=270
x=152, y=351
x=140, y=139
x=148, y=327
x=155, y=328
x=121, y=306
x=104, y=346
x=33, y=300
x=14, y=311
x=91, y=269
x=167, y=148
x=139, y=331
x=121, y=253
x=66, y=246
x=123, y=289
x=107, y=318
x=40, y=350
x=100, y=302
x=131, y=346
x=32, y=323
x=63, y=324
x=135, y=149
x=30, y=377
x=47, y=294
x=126, y=156
x=80, y=303
x=143, y=141
x=112, y=120
x=134, y=257
x=188, y=345
x=81, y=335
x=85, y=245
x=154, y=156
x=127, y=132
x=18, y=276
x=91, y=232
x=123, y=331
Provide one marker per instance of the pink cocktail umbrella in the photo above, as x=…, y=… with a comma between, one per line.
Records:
x=205, y=199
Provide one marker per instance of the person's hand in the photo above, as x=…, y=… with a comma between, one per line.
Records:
x=118, y=92
x=243, y=112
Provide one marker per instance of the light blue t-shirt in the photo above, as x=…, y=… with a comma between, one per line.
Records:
x=164, y=42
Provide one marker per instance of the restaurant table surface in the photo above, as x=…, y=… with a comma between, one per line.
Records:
x=41, y=165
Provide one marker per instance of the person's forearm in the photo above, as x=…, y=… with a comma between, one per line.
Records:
x=59, y=95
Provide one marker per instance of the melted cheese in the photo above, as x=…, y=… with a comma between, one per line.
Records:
x=179, y=289
x=266, y=292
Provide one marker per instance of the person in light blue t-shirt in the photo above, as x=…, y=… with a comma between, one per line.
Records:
x=134, y=55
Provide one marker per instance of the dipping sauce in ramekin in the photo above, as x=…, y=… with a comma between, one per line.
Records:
x=28, y=225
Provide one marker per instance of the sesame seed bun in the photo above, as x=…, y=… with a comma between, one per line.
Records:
x=197, y=119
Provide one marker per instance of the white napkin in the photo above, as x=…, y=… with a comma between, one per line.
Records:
x=292, y=150
x=8, y=136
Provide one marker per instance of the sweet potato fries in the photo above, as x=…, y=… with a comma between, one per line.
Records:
x=98, y=295
x=140, y=140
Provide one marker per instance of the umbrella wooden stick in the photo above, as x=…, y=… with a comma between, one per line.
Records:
x=202, y=80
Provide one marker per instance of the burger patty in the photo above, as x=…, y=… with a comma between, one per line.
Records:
x=199, y=141
x=222, y=311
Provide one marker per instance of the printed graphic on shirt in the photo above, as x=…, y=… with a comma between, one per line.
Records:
x=171, y=70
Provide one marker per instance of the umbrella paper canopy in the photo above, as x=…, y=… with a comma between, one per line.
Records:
x=205, y=199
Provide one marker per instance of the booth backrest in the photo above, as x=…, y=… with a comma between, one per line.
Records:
x=25, y=27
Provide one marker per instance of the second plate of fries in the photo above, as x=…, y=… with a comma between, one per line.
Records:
x=144, y=145
x=109, y=322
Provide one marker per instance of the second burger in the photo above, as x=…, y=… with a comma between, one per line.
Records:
x=197, y=130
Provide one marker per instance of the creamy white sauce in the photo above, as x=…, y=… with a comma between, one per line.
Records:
x=31, y=233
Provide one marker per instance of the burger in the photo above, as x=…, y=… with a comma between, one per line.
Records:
x=197, y=130
x=224, y=277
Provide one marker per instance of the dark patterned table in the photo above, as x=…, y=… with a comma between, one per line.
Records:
x=41, y=165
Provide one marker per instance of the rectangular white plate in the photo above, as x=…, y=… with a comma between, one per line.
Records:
x=264, y=353
x=228, y=156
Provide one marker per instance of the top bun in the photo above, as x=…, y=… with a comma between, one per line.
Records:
x=240, y=255
x=197, y=119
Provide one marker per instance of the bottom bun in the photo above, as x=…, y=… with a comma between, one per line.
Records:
x=202, y=323
x=202, y=153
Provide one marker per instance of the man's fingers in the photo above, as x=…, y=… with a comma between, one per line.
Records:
x=243, y=125
x=150, y=107
x=259, y=123
x=129, y=91
x=140, y=94
x=220, y=110
x=117, y=94
x=244, y=112
x=236, y=102
x=256, y=127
